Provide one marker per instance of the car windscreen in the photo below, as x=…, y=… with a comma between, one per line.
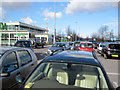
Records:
x=58, y=75
x=70, y=44
x=86, y=45
x=23, y=44
x=114, y=46
x=58, y=45
x=37, y=40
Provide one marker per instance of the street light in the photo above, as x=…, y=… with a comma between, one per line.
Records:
x=54, y=22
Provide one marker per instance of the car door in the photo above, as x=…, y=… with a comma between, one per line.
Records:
x=26, y=62
x=10, y=64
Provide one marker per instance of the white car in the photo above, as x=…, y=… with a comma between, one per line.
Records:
x=99, y=48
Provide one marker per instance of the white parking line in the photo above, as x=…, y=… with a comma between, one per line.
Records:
x=113, y=73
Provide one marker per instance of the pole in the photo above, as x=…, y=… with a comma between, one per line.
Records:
x=76, y=31
x=54, y=22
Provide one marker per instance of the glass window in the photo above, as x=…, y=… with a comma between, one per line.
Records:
x=76, y=75
x=10, y=63
x=25, y=57
x=114, y=46
x=58, y=45
x=86, y=45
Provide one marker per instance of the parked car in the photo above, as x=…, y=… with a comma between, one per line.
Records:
x=86, y=46
x=24, y=43
x=71, y=45
x=100, y=47
x=69, y=69
x=14, y=62
x=111, y=49
x=58, y=46
x=76, y=45
x=95, y=43
x=38, y=42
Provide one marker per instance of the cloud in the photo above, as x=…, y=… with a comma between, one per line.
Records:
x=49, y=14
x=76, y=6
x=28, y=20
x=3, y=14
x=16, y=5
x=111, y=23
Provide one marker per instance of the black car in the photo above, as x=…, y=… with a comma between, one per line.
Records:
x=24, y=43
x=111, y=49
x=58, y=46
x=69, y=69
x=37, y=42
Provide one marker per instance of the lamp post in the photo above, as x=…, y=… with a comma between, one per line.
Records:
x=76, y=31
x=54, y=22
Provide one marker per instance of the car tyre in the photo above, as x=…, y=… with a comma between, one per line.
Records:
x=42, y=46
x=35, y=46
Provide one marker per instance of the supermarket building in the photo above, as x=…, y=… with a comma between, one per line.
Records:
x=10, y=32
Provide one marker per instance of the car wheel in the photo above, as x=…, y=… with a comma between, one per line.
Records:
x=105, y=56
x=35, y=46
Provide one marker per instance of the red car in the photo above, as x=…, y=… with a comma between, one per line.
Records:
x=86, y=46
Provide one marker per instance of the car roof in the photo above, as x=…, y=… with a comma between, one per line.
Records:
x=83, y=57
x=4, y=49
x=85, y=42
x=23, y=40
x=111, y=43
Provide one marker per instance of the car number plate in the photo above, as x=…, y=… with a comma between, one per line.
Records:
x=114, y=55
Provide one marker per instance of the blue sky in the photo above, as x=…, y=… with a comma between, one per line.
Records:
x=89, y=16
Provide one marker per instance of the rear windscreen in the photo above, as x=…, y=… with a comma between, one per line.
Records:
x=114, y=46
x=88, y=45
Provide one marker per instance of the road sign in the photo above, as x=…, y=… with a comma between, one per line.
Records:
x=19, y=34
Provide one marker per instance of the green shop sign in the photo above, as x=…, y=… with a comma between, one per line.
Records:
x=3, y=26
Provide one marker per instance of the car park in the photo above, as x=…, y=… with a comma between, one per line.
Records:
x=111, y=49
x=100, y=47
x=15, y=61
x=69, y=69
x=24, y=43
x=86, y=46
x=58, y=46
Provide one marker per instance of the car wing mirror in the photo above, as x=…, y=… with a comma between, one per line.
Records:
x=19, y=79
x=6, y=74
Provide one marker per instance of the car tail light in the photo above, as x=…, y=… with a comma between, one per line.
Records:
x=106, y=51
x=78, y=48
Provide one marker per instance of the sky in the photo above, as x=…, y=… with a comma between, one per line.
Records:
x=84, y=18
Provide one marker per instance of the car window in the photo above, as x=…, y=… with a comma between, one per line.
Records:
x=24, y=56
x=77, y=75
x=10, y=63
x=23, y=44
x=58, y=45
x=114, y=46
x=86, y=45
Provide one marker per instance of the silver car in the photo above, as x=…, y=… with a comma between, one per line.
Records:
x=14, y=62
